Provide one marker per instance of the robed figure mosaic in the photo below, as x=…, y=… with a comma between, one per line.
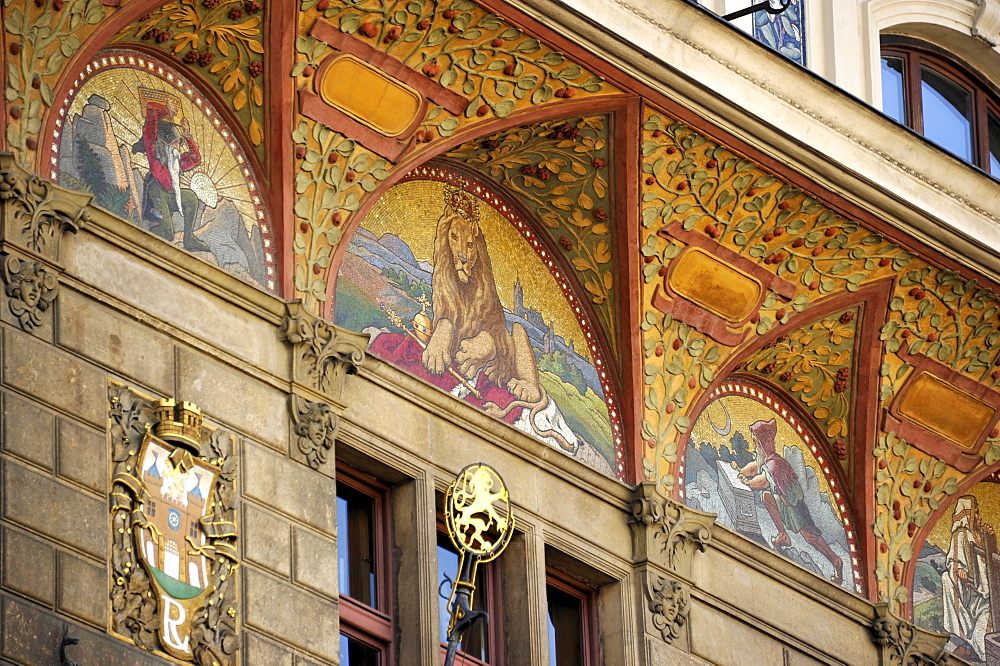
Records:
x=956, y=580
x=450, y=290
x=138, y=135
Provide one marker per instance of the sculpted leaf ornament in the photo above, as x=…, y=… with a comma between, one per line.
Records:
x=904, y=644
x=35, y=213
x=324, y=353
x=676, y=530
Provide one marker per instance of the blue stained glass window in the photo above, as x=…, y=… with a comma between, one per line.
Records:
x=784, y=32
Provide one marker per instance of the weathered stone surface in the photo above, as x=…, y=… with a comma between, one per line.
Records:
x=32, y=636
x=187, y=307
x=28, y=430
x=83, y=589
x=289, y=487
x=52, y=508
x=234, y=398
x=125, y=346
x=266, y=540
x=720, y=640
x=54, y=377
x=316, y=562
x=296, y=616
x=83, y=455
x=258, y=650
x=661, y=654
x=29, y=566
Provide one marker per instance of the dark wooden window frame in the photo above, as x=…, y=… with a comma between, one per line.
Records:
x=359, y=621
x=588, y=611
x=984, y=96
x=488, y=580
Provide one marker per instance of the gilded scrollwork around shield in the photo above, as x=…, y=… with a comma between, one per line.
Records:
x=194, y=619
x=30, y=288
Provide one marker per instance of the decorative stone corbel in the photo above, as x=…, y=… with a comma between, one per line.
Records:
x=30, y=288
x=34, y=213
x=986, y=24
x=323, y=353
x=666, y=532
x=668, y=601
x=903, y=643
x=315, y=425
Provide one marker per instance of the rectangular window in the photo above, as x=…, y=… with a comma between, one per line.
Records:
x=572, y=620
x=482, y=643
x=363, y=548
x=151, y=509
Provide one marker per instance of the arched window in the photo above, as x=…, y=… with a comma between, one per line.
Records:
x=942, y=101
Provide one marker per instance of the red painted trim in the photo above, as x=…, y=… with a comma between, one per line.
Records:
x=397, y=69
x=279, y=121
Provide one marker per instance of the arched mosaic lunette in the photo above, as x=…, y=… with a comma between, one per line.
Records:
x=751, y=459
x=152, y=149
x=390, y=285
x=954, y=577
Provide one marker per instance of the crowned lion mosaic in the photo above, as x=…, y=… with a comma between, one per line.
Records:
x=469, y=327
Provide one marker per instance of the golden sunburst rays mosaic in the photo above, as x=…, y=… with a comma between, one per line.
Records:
x=727, y=469
x=390, y=262
x=126, y=113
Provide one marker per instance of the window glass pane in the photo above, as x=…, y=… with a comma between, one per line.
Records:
x=354, y=653
x=994, y=145
x=356, y=547
x=946, y=109
x=893, y=98
x=565, y=628
x=475, y=642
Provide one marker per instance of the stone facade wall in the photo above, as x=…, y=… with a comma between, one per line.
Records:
x=132, y=310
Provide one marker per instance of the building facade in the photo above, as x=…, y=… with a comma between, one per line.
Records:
x=716, y=299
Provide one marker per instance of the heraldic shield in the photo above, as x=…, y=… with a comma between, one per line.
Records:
x=182, y=539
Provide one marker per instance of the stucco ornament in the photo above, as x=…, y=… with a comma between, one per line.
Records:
x=30, y=288
x=323, y=353
x=986, y=24
x=316, y=427
x=905, y=644
x=668, y=532
x=34, y=213
x=669, y=603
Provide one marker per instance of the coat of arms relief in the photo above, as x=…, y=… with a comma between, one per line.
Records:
x=173, y=530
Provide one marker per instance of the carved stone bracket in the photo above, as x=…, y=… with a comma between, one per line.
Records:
x=903, y=643
x=315, y=425
x=34, y=213
x=323, y=353
x=669, y=602
x=986, y=24
x=666, y=532
x=29, y=287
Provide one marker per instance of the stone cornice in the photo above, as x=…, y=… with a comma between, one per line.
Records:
x=667, y=533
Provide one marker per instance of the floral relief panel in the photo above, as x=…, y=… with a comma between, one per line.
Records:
x=754, y=463
x=453, y=287
x=151, y=149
